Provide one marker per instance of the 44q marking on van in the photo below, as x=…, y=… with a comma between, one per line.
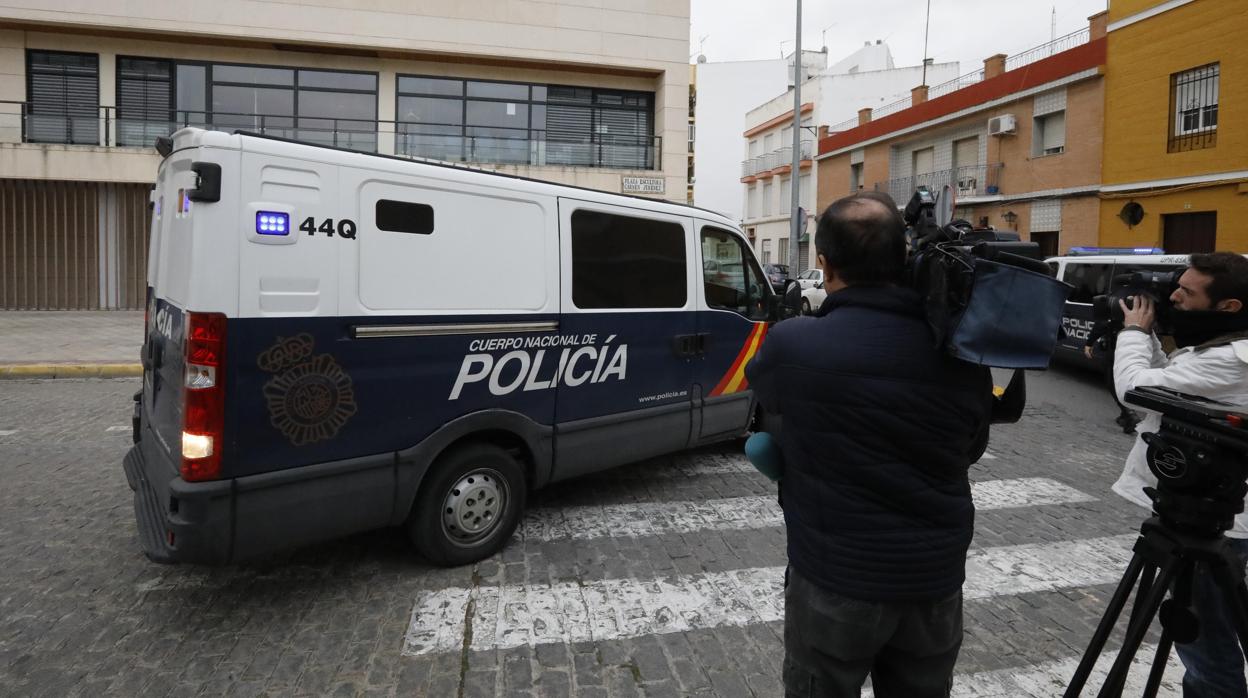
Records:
x=345, y=228
x=526, y=367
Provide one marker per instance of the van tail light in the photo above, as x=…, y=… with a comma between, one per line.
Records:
x=203, y=414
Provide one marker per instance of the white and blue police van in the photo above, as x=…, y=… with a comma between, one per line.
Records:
x=1092, y=272
x=340, y=341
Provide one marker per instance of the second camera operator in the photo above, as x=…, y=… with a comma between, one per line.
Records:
x=1211, y=333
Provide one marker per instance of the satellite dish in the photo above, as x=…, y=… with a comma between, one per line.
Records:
x=944, y=206
x=1131, y=214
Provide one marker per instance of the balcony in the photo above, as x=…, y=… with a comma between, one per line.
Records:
x=778, y=161
x=967, y=182
x=101, y=127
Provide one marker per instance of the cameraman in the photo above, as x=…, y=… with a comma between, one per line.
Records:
x=880, y=428
x=1211, y=331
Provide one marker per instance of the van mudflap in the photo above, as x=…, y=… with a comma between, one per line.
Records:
x=146, y=509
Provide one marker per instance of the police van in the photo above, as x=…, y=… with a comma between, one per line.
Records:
x=339, y=341
x=1091, y=271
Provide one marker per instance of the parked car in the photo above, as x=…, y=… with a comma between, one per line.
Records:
x=777, y=274
x=810, y=278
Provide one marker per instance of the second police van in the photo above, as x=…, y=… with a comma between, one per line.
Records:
x=1092, y=272
x=338, y=342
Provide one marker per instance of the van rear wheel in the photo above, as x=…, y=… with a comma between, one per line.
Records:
x=469, y=506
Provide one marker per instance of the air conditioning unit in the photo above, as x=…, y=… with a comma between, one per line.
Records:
x=1001, y=125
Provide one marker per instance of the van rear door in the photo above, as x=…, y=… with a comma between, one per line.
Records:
x=169, y=275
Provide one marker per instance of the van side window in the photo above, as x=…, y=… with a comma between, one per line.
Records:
x=730, y=277
x=627, y=262
x=404, y=217
x=1089, y=280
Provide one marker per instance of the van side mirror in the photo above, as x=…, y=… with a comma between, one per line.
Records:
x=790, y=300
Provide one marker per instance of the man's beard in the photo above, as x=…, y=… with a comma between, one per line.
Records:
x=1196, y=327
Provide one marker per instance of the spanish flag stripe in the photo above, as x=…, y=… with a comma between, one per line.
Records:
x=738, y=365
x=738, y=378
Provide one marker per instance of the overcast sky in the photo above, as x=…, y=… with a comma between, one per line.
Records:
x=961, y=30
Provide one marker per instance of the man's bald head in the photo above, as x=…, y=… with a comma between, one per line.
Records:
x=863, y=239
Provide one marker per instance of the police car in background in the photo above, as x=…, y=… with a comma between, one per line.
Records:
x=318, y=361
x=1092, y=271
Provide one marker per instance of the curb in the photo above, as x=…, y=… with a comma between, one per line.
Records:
x=70, y=370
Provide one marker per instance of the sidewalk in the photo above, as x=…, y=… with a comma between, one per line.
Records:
x=68, y=344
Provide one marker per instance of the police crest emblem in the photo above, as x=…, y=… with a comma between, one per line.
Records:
x=309, y=396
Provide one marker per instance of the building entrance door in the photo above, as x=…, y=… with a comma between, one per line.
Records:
x=1187, y=233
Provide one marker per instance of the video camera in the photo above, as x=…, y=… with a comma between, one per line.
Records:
x=1200, y=458
x=989, y=298
x=1157, y=285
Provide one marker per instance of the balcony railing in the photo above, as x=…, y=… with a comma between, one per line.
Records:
x=776, y=158
x=966, y=182
x=102, y=127
x=1061, y=43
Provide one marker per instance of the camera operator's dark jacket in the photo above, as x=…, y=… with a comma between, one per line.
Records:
x=879, y=429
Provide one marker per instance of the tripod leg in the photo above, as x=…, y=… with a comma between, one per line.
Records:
x=1106, y=626
x=1236, y=594
x=1135, y=632
x=1159, y=665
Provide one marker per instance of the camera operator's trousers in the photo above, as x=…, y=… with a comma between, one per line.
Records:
x=832, y=643
x=1214, y=663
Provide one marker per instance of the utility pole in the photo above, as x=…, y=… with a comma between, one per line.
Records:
x=795, y=174
x=927, y=25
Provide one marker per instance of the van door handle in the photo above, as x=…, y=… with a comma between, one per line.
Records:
x=702, y=342
x=685, y=345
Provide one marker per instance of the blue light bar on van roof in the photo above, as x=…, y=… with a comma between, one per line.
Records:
x=272, y=223
x=1077, y=251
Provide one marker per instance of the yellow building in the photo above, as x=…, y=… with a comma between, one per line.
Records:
x=1175, y=166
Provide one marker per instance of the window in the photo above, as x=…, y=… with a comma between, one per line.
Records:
x=786, y=195
x=855, y=177
x=767, y=251
x=803, y=193
x=522, y=123
x=626, y=262
x=1046, y=216
x=731, y=278
x=63, y=97
x=144, y=100
x=404, y=217
x=1048, y=134
x=1089, y=280
x=331, y=107
x=924, y=161
x=768, y=202
x=751, y=202
x=784, y=251
x=1194, y=108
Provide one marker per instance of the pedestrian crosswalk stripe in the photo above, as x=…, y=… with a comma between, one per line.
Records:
x=727, y=464
x=736, y=513
x=612, y=609
x=1051, y=678
x=120, y=428
x=7, y=432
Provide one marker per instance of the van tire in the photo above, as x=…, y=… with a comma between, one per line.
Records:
x=480, y=487
x=805, y=306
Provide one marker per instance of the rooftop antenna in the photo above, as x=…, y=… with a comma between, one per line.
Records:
x=927, y=24
x=1053, y=25
x=824, y=36
x=701, y=48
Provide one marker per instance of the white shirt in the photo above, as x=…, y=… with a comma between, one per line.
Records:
x=1217, y=373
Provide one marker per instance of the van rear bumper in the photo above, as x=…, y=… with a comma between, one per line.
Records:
x=200, y=522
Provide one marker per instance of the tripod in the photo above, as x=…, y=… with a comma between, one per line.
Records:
x=1165, y=559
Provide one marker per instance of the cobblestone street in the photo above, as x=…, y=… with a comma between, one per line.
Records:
x=659, y=579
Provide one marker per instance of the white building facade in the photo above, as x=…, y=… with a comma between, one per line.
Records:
x=866, y=77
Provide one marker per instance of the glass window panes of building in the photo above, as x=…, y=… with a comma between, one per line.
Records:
x=1194, y=96
x=63, y=98
x=330, y=107
x=522, y=123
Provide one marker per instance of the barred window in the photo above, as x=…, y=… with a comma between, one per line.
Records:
x=1194, y=108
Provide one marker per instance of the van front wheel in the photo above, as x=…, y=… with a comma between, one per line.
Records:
x=468, y=506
